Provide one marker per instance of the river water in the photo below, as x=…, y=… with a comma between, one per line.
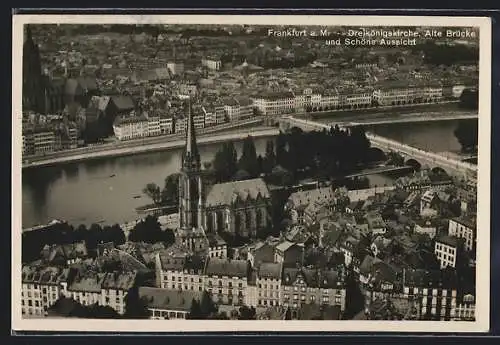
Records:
x=104, y=190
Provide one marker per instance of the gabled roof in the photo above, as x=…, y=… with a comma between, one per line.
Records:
x=226, y=267
x=168, y=299
x=228, y=193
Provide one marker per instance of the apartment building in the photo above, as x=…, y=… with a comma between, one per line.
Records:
x=212, y=63
x=176, y=68
x=180, y=125
x=227, y=280
x=329, y=99
x=275, y=103
x=354, y=100
x=463, y=227
x=41, y=288
x=126, y=128
x=114, y=289
x=217, y=247
x=166, y=124
x=432, y=297
x=210, y=116
x=303, y=286
x=268, y=283
x=447, y=250
x=86, y=288
x=154, y=127
x=179, y=272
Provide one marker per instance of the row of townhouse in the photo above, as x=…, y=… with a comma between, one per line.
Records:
x=233, y=283
x=285, y=102
x=431, y=294
x=43, y=286
x=148, y=125
x=43, y=140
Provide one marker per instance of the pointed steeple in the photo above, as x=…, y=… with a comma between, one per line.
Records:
x=191, y=156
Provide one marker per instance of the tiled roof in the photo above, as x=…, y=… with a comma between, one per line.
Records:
x=269, y=270
x=226, y=267
x=168, y=299
x=227, y=193
x=123, y=102
x=44, y=275
x=89, y=282
x=449, y=240
x=119, y=281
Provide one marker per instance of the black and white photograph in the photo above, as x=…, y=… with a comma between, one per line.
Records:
x=332, y=171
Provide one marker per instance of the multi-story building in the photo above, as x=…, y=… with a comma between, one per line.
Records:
x=289, y=253
x=154, y=128
x=168, y=304
x=44, y=141
x=177, y=272
x=268, y=283
x=220, y=114
x=466, y=309
x=210, y=117
x=217, y=247
x=465, y=228
x=447, y=250
x=355, y=100
x=41, y=288
x=115, y=288
x=180, y=125
x=227, y=280
x=238, y=108
x=432, y=297
x=175, y=68
x=86, y=288
x=126, y=128
x=275, y=103
x=212, y=63
x=302, y=286
x=166, y=124
x=329, y=100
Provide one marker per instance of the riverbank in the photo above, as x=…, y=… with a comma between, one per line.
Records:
x=261, y=132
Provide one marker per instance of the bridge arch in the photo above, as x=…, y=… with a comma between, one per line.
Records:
x=375, y=154
x=439, y=171
x=414, y=164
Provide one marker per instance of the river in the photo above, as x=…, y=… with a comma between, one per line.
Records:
x=104, y=190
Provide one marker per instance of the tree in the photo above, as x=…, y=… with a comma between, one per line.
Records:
x=225, y=162
x=135, y=307
x=148, y=230
x=467, y=135
x=270, y=157
x=248, y=159
x=170, y=192
x=195, y=311
x=207, y=306
x=152, y=190
x=247, y=313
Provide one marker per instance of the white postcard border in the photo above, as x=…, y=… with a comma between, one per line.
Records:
x=91, y=325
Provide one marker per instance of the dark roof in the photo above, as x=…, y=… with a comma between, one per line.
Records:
x=123, y=102
x=269, y=270
x=228, y=193
x=179, y=300
x=226, y=267
x=314, y=278
x=449, y=240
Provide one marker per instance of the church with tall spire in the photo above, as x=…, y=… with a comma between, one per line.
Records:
x=33, y=82
x=191, y=186
x=240, y=208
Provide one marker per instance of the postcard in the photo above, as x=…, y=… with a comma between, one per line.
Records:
x=260, y=173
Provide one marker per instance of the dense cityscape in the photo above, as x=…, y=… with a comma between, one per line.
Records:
x=293, y=232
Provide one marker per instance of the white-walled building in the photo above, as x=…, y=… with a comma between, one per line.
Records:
x=275, y=103
x=41, y=288
x=463, y=228
x=447, y=250
x=126, y=128
x=212, y=63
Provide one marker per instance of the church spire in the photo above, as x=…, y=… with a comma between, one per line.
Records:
x=191, y=156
